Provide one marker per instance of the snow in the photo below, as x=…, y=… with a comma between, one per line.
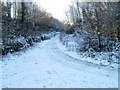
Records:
x=49, y=35
x=48, y=65
x=21, y=39
x=0, y=73
x=71, y=44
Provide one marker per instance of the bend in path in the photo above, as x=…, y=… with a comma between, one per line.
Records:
x=45, y=66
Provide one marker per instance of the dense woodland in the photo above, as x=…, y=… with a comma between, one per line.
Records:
x=39, y=51
x=23, y=23
x=93, y=26
x=99, y=20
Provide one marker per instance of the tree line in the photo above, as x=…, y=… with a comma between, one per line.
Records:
x=23, y=23
x=28, y=11
x=100, y=19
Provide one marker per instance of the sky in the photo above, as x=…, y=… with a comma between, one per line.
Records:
x=56, y=7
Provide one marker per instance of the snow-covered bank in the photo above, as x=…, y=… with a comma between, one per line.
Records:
x=21, y=43
x=70, y=46
x=45, y=66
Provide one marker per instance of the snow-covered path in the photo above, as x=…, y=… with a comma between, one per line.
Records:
x=45, y=66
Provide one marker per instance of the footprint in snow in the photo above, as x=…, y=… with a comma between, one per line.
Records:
x=49, y=72
x=49, y=78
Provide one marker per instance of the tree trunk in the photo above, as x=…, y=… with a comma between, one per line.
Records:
x=23, y=12
x=9, y=9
